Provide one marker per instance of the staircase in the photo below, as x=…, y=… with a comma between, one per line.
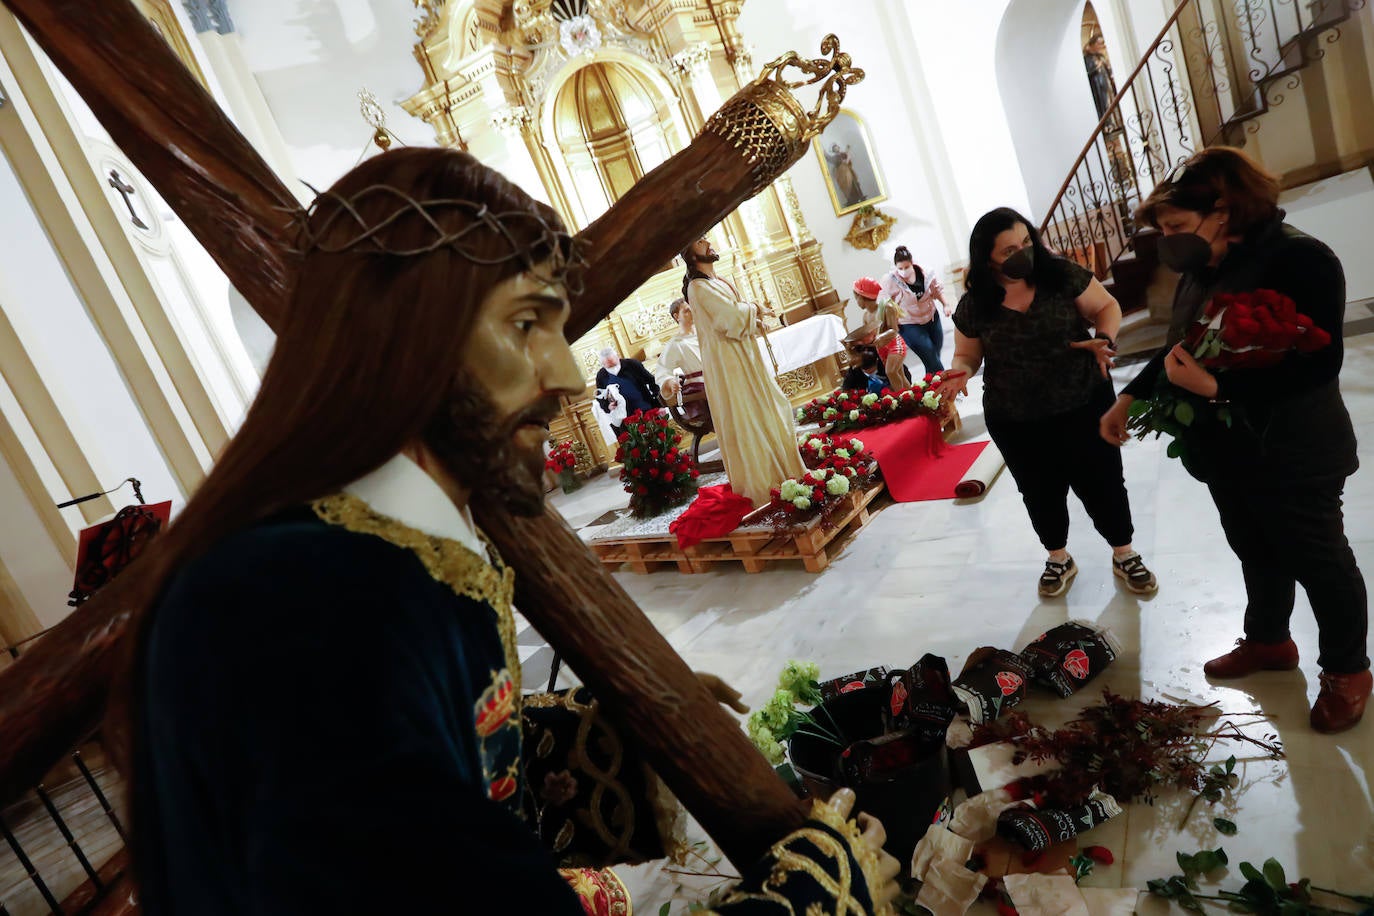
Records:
x=1210, y=78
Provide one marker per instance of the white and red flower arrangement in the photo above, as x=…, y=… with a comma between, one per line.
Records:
x=845, y=409
x=656, y=472
x=837, y=468
x=1247, y=330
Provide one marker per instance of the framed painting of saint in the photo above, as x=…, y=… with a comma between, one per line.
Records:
x=848, y=164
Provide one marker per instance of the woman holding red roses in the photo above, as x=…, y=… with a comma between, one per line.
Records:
x=1277, y=471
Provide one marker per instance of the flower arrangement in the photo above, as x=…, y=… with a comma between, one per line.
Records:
x=844, y=409
x=847, y=457
x=1248, y=330
x=779, y=719
x=656, y=473
x=1130, y=748
x=561, y=463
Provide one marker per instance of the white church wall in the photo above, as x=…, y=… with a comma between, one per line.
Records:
x=773, y=27
x=32, y=560
x=310, y=58
x=70, y=355
x=1340, y=212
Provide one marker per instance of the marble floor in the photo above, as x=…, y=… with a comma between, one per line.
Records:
x=946, y=577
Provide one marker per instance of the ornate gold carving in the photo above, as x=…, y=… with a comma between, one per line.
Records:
x=511, y=120
x=797, y=382
x=431, y=12
x=766, y=123
x=794, y=211
x=649, y=321
x=790, y=287
x=690, y=58
x=871, y=228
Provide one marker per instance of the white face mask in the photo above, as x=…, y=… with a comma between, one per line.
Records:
x=908, y=274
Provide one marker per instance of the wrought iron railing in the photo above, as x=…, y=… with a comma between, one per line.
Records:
x=1210, y=72
x=60, y=841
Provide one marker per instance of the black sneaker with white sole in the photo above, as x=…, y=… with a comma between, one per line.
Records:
x=1131, y=570
x=1054, y=581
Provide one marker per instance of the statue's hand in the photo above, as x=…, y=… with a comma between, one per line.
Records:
x=723, y=692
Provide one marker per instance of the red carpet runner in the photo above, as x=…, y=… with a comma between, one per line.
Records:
x=916, y=462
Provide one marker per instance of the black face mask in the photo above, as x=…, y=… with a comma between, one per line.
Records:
x=1020, y=265
x=1185, y=252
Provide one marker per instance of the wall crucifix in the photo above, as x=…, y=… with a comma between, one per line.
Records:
x=126, y=191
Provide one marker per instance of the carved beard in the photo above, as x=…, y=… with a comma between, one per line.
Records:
x=480, y=451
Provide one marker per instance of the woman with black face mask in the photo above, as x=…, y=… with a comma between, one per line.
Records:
x=1025, y=319
x=915, y=296
x=1277, y=472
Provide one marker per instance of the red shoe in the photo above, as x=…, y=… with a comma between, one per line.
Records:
x=1249, y=656
x=1341, y=701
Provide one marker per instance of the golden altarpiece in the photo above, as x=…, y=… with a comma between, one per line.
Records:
x=583, y=97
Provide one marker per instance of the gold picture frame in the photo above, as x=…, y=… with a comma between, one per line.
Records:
x=845, y=154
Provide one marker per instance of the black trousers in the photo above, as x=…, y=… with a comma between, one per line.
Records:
x=1053, y=455
x=1293, y=531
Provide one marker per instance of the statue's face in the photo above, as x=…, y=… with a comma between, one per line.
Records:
x=491, y=434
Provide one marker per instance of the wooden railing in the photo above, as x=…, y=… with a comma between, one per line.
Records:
x=1214, y=67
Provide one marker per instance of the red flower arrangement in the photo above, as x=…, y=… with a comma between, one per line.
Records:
x=561, y=458
x=1247, y=330
x=845, y=409
x=657, y=474
x=561, y=463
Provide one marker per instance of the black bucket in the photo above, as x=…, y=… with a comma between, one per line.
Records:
x=905, y=800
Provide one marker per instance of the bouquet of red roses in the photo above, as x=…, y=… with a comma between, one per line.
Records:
x=1248, y=330
x=1252, y=330
x=657, y=474
x=561, y=462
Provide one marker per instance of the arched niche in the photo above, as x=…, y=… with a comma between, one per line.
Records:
x=605, y=120
x=1045, y=93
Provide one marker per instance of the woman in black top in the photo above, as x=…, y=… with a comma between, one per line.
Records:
x=1277, y=473
x=1025, y=318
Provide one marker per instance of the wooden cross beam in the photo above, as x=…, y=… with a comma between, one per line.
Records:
x=172, y=130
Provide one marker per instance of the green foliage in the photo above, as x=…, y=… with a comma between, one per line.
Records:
x=1224, y=827
x=1266, y=890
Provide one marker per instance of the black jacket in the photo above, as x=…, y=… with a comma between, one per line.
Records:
x=1296, y=424
x=644, y=395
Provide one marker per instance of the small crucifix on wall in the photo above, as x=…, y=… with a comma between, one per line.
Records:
x=126, y=191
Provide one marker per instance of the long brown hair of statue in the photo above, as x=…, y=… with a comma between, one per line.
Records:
x=366, y=356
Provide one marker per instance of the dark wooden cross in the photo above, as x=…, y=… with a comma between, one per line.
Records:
x=173, y=131
x=126, y=191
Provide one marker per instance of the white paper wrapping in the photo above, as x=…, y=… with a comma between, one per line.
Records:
x=950, y=888
x=1045, y=895
x=939, y=843
x=976, y=818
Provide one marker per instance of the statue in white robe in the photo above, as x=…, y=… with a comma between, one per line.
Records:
x=754, y=423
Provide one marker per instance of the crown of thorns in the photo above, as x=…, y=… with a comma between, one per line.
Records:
x=548, y=252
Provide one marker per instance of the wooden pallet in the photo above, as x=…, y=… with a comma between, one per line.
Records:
x=815, y=545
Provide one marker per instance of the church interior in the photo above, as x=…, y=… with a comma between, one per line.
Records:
x=129, y=359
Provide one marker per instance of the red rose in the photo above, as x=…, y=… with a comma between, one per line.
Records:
x=1099, y=854
x=634, y=453
x=641, y=489
x=653, y=453
x=623, y=437
x=695, y=473
x=653, y=472
x=818, y=494
x=1312, y=339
